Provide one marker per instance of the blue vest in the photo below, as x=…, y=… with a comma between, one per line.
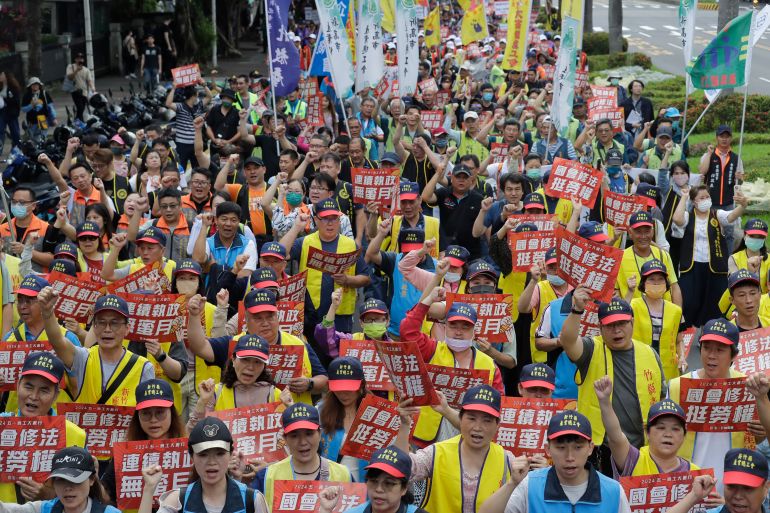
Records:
x=224, y=256
x=54, y=506
x=541, y=148
x=366, y=507
x=235, y=502
x=330, y=449
x=545, y=494
x=565, y=369
x=405, y=296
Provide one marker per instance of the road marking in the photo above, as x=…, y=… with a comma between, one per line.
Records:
x=645, y=27
x=644, y=34
x=669, y=27
x=698, y=28
x=626, y=28
x=763, y=79
x=598, y=29
x=674, y=33
x=674, y=46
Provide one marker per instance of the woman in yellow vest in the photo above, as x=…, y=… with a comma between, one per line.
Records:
x=91, y=252
x=750, y=255
x=657, y=321
x=155, y=418
x=302, y=433
x=665, y=430
x=37, y=389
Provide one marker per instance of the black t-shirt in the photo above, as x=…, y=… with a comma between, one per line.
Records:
x=118, y=190
x=457, y=218
x=151, y=54
x=224, y=126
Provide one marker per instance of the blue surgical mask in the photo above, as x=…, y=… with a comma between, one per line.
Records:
x=754, y=244
x=534, y=173
x=294, y=198
x=18, y=210
x=555, y=280
x=488, y=97
x=614, y=171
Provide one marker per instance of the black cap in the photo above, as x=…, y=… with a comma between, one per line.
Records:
x=614, y=157
x=346, y=374
x=73, y=464
x=209, y=433
x=745, y=467
x=45, y=364
x=229, y=93
x=569, y=422
x=154, y=392
x=742, y=277
x=393, y=461
x=254, y=160
x=721, y=129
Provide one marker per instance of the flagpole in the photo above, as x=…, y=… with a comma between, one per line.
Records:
x=686, y=101
x=743, y=118
x=336, y=93
x=272, y=85
x=696, y=123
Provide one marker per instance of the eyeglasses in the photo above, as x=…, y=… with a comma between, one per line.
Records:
x=329, y=219
x=385, y=484
x=113, y=325
x=169, y=206
x=88, y=238
x=158, y=413
x=200, y=183
x=316, y=188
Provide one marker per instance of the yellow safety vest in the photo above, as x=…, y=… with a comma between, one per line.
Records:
x=125, y=394
x=75, y=436
x=648, y=381
x=547, y=294
x=513, y=283
x=429, y=421
x=287, y=339
x=469, y=145
x=631, y=265
x=738, y=438
x=444, y=487
x=742, y=261
x=672, y=316
x=12, y=264
x=764, y=310
x=226, y=397
x=282, y=471
x=646, y=466
x=431, y=232
x=168, y=268
x=204, y=371
x=176, y=388
x=344, y=245
x=563, y=208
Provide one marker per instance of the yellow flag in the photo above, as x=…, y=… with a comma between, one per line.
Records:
x=474, y=27
x=464, y=4
x=518, y=30
x=388, y=15
x=433, y=28
x=350, y=28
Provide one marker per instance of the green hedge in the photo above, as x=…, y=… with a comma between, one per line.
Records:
x=727, y=110
x=598, y=43
x=603, y=62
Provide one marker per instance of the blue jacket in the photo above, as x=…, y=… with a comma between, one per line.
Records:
x=546, y=495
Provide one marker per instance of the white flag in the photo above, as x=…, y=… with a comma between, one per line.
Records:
x=407, y=28
x=761, y=22
x=687, y=10
x=564, y=77
x=370, y=63
x=337, y=47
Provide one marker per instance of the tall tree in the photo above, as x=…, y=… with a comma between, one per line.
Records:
x=615, y=16
x=588, y=19
x=34, y=39
x=728, y=9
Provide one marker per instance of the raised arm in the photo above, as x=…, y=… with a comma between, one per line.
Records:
x=373, y=255
x=569, y=338
x=616, y=439
x=117, y=242
x=63, y=347
x=525, y=300
x=197, y=341
x=678, y=217
x=204, y=160
x=428, y=194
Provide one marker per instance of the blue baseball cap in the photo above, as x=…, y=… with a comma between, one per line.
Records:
x=260, y=300
x=569, y=422
x=742, y=277
x=32, y=285
x=640, y=219
x=153, y=235
x=66, y=248
x=300, y=416
x=154, y=393
x=593, y=230
x=409, y=190
x=478, y=267
x=721, y=129
x=482, y=398
x=615, y=311
x=273, y=249
x=45, y=364
x=63, y=266
x=534, y=200
x=663, y=408
x=745, y=467
x=373, y=305
x=346, y=374
x=88, y=228
x=653, y=266
x=537, y=375
x=410, y=239
x=326, y=208
x=393, y=461
x=722, y=331
x=113, y=303
x=550, y=256
x=649, y=192
x=457, y=255
x=525, y=227
x=263, y=277
x=462, y=312
x=252, y=346
x=755, y=227
x=188, y=265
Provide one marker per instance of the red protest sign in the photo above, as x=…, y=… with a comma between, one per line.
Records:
x=614, y=114
x=308, y=87
x=584, y=262
x=524, y=423
x=753, y=352
x=431, y=119
x=453, y=382
x=256, y=430
x=443, y=97
x=550, y=70
x=131, y=457
x=382, y=86
x=544, y=222
x=27, y=446
x=377, y=378
x=314, y=115
x=527, y=248
x=494, y=322
x=498, y=152
x=159, y=317
x=374, y=185
x=375, y=426
x=331, y=263
x=603, y=97
x=293, y=288
x=291, y=317
x=104, y=424
x=656, y=493
x=428, y=85
x=296, y=496
x=581, y=78
x=186, y=75
x=716, y=405
x=589, y=321
x=688, y=337
x=12, y=356
x=149, y=277
x=285, y=363
x=618, y=208
x=76, y=297
x=407, y=371
x=570, y=179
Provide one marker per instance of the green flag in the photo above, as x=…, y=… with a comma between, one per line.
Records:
x=724, y=63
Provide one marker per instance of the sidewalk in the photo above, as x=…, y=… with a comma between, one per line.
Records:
x=252, y=58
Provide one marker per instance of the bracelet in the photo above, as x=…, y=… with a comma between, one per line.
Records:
x=577, y=312
x=161, y=357
x=310, y=385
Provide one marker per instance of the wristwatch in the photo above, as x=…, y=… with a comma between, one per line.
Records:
x=577, y=312
x=310, y=385
x=161, y=357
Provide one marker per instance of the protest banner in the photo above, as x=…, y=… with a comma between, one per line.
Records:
x=293, y=288
x=159, y=317
x=442, y=98
x=753, y=352
x=494, y=322
x=256, y=430
x=581, y=78
x=603, y=96
x=104, y=424
x=528, y=248
x=185, y=76
x=377, y=377
x=589, y=321
x=716, y=405
x=302, y=496
x=519, y=21
x=131, y=457
x=331, y=263
x=614, y=114
x=544, y=222
x=382, y=88
x=688, y=337
x=501, y=8
x=12, y=356
x=454, y=382
x=375, y=426
x=149, y=277
x=27, y=446
x=428, y=85
x=584, y=262
x=285, y=363
x=524, y=423
x=431, y=119
x=308, y=87
x=570, y=179
x=374, y=185
x=656, y=493
x=550, y=71
x=407, y=371
x=618, y=208
x=76, y=297
x=291, y=317
x=498, y=152
x=314, y=115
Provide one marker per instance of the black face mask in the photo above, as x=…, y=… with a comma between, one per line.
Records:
x=482, y=289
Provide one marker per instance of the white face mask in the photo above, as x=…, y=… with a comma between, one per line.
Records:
x=458, y=344
x=187, y=288
x=703, y=206
x=452, y=277
x=680, y=180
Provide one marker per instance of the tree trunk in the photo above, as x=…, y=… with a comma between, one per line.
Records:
x=187, y=47
x=728, y=9
x=34, y=38
x=615, y=16
x=588, y=17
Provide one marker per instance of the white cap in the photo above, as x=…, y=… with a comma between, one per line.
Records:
x=487, y=49
x=471, y=114
x=391, y=46
x=421, y=34
x=297, y=38
x=543, y=38
x=450, y=44
x=557, y=36
x=312, y=36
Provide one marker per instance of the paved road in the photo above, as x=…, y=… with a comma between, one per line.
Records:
x=652, y=27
